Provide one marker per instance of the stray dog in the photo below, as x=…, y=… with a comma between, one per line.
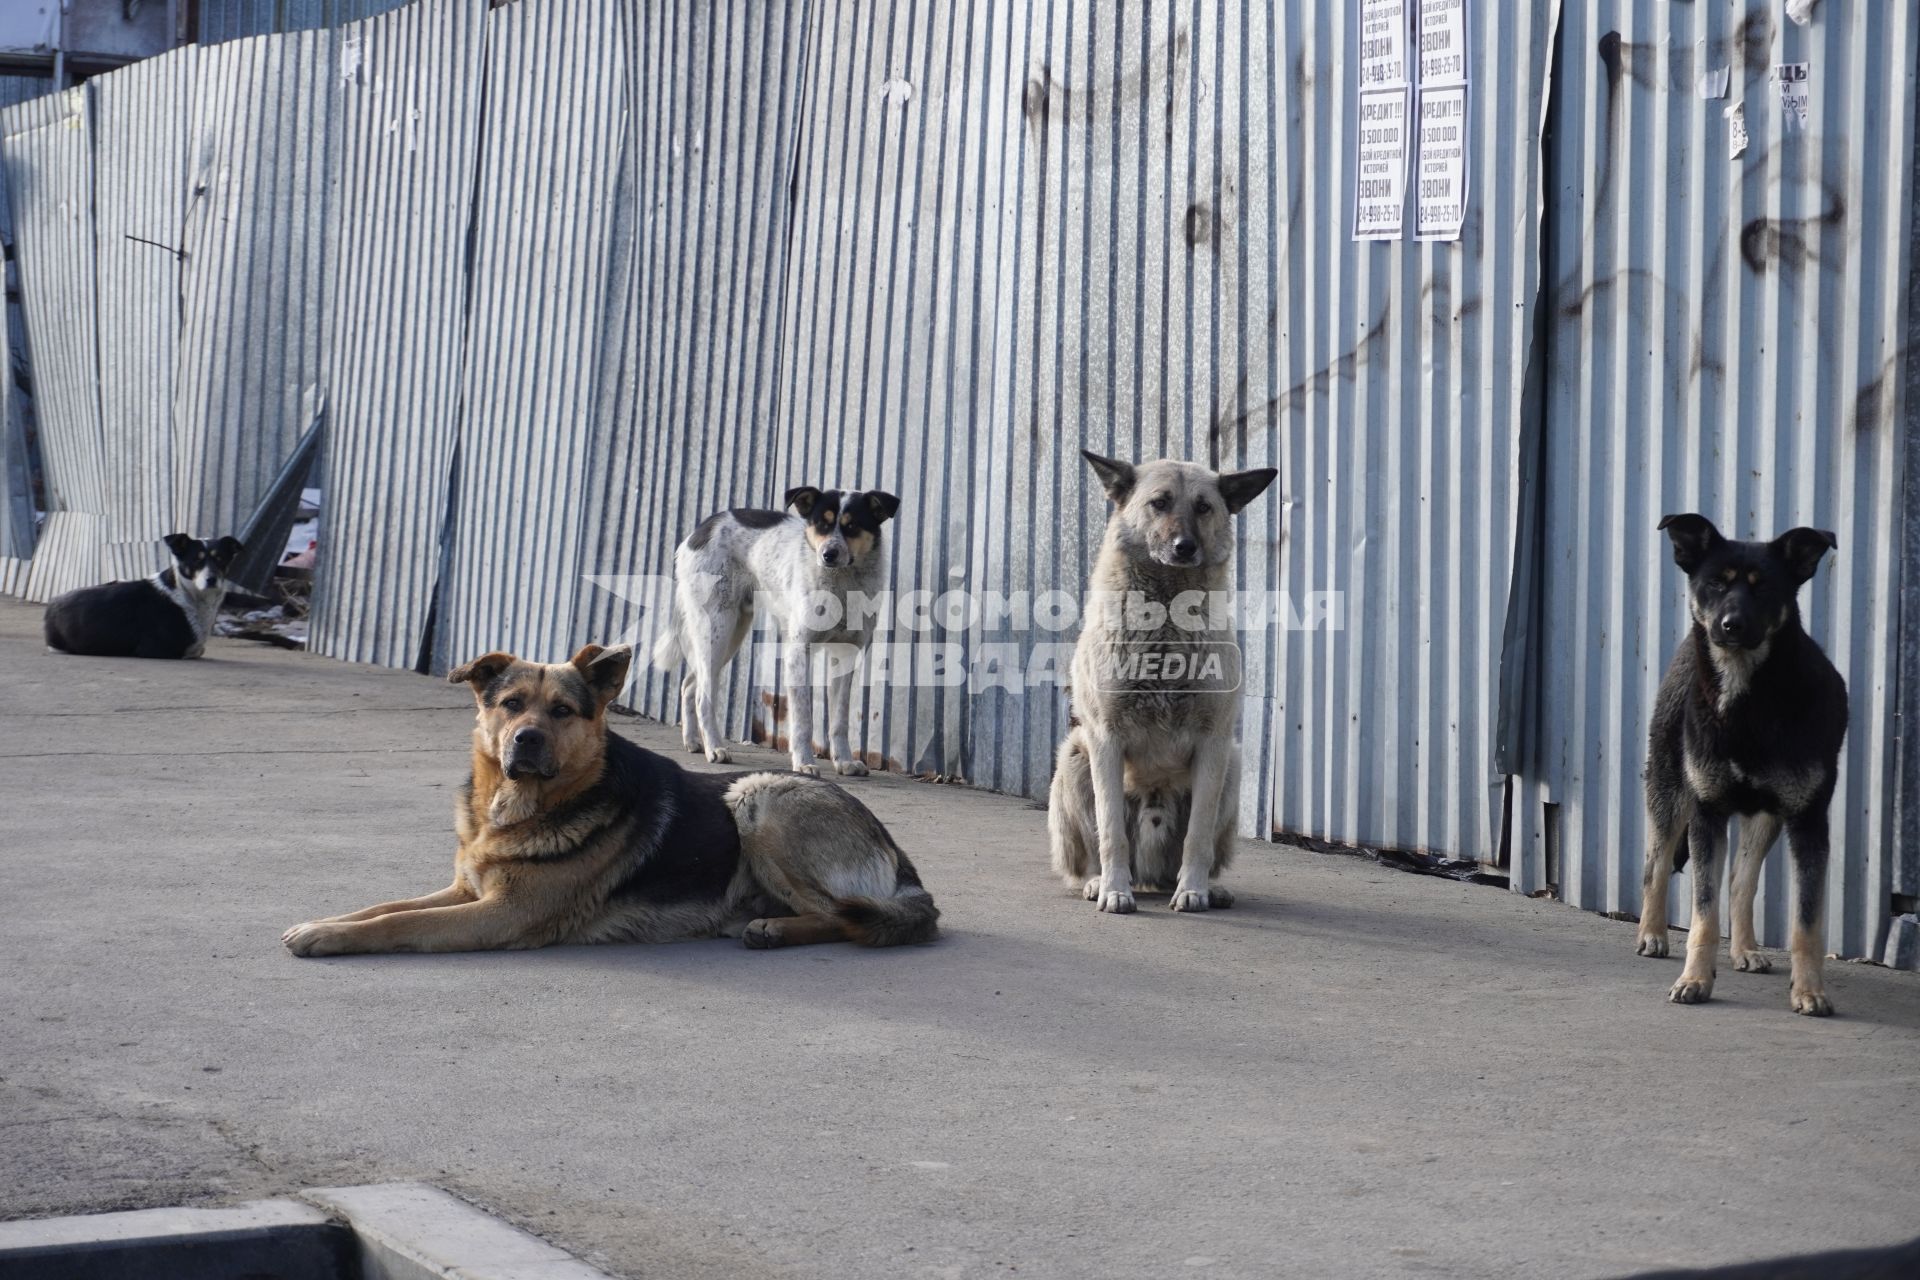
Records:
x=1147, y=785
x=1749, y=720
x=822, y=553
x=168, y=615
x=570, y=833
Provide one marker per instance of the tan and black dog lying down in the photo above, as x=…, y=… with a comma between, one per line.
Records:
x=571, y=833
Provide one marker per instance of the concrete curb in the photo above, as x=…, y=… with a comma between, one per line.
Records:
x=386, y=1231
x=283, y=1238
x=412, y=1231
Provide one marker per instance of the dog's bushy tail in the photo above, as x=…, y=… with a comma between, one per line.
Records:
x=909, y=916
x=666, y=650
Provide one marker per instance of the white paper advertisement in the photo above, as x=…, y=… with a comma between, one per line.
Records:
x=1440, y=182
x=1380, y=198
x=1796, y=95
x=1442, y=42
x=1383, y=44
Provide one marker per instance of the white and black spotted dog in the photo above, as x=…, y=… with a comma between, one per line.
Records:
x=169, y=615
x=825, y=547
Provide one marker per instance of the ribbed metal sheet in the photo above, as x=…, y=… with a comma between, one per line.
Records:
x=231, y=19
x=142, y=186
x=1127, y=228
x=47, y=153
x=254, y=283
x=17, y=517
x=690, y=388
x=881, y=352
x=554, y=126
x=406, y=119
x=1727, y=336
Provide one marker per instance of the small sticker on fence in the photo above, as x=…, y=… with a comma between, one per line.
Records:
x=1736, y=129
x=1440, y=190
x=1796, y=95
x=1380, y=183
x=1383, y=44
x=1443, y=42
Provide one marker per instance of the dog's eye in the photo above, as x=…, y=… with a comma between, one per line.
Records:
x=514, y=705
x=1202, y=507
x=1159, y=503
x=561, y=711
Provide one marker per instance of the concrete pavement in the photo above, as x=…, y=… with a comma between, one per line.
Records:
x=1355, y=1072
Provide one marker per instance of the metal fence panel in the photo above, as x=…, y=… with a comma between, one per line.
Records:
x=1070, y=229
x=554, y=125
x=46, y=149
x=142, y=187
x=406, y=111
x=1728, y=336
x=692, y=395
x=17, y=514
x=254, y=280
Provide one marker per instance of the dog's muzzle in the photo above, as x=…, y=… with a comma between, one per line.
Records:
x=1736, y=631
x=835, y=555
x=1181, y=553
x=527, y=756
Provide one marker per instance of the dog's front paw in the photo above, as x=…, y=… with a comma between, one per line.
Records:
x=1220, y=898
x=763, y=935
x=314, y=938
x=1691, y=990
x=1192, y=900
x=1812, y=1003
x=1752, y=962
x=806, y=767
x=1118, y=901
x=694, y=746
x=850, y=768
x=719, y=755
x=1091, y=890
x=1651, y=943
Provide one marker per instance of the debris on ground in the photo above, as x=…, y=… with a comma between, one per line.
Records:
x=279, y=617
x=1467, y=870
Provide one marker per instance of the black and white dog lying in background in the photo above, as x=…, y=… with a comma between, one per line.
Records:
x=821, y=550
x=168, y=615
x=1749, y=720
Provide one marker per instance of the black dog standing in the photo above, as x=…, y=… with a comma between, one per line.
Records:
x=1749, y=720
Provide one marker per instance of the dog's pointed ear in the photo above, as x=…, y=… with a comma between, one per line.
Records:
x=1239, y=488
x=801, y=500
x=1801, y=550
x=1116, y=477
x=179, y=543
x=482, y=671
x=605, y=670
x=227, y=550
x=885, y=505
x=1694, y=539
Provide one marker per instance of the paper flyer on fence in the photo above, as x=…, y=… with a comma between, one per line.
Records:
x=1440, y=179
x=1380, y=135
x=1380, y=172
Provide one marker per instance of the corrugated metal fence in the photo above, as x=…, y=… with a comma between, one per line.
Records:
x=568, y=276
x=1737, y=346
